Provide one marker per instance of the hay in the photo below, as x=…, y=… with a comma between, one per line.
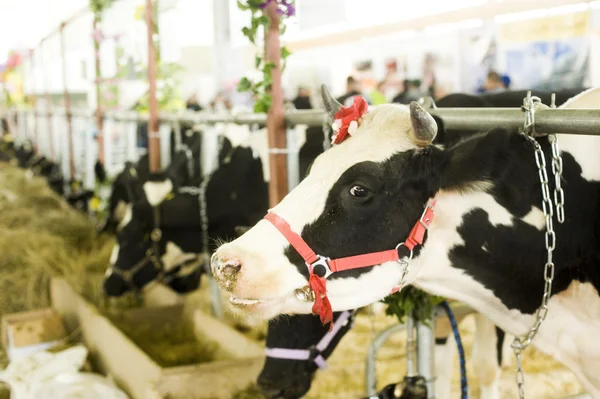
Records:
x=171, y=345
x=250, y=392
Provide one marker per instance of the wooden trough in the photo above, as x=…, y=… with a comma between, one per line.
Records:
x=116, y=355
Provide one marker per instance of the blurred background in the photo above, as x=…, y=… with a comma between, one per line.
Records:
x=389, y=47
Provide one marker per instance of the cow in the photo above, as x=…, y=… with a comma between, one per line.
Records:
x=485, y=246
x=236, y=195
x=297, y=346
x=128, y=185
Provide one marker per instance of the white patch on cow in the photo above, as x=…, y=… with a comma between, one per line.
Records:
x=127, y=216
x=444, y=366
x=585, y=149
x=174, y=256
x=120, y=209
x=484, y=357
x=535, y=218
x=157, y=191
x=114, y=255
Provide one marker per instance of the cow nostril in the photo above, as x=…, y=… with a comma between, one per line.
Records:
x=230, y=267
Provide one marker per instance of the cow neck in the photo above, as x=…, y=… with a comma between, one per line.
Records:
x=321, y=267
x=315, y=352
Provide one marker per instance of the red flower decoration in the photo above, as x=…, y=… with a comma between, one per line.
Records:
x=346, y=119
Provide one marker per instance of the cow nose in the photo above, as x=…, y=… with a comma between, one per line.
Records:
x=225, y=267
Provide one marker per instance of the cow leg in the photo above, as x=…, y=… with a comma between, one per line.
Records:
x=445, y=350
x=484, y=357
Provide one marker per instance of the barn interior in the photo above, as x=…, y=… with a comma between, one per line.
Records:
x=138, y=137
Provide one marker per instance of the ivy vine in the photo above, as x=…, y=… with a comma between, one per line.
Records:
x=260, y=85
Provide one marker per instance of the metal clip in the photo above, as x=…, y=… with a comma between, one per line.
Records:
x=321, y=261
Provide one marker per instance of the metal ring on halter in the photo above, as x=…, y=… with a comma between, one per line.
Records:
x=156, y=235
x=405, y=258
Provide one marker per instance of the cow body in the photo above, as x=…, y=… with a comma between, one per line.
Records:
x=485, y=246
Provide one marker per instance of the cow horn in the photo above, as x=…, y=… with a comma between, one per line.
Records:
x=424, y=127
x=332, y=106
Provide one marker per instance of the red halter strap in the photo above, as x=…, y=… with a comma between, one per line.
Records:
x=317, y=280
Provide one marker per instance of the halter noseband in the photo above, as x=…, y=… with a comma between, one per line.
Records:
x=315, y=352
x=153, y=258
x=320, y=267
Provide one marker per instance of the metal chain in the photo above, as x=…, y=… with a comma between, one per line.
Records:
x=521, y=343
x=557, y=170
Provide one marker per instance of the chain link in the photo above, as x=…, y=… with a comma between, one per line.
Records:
x=521, y=343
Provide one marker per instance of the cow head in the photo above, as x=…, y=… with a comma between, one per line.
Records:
x=363, y=195
x=151, y=245
x=291, y=378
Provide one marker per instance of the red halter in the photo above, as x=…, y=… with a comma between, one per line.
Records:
x=321, y=267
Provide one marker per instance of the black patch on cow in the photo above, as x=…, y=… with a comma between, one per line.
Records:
x=284, y=378
x=511, y=265
x=500, y=336
x=400, y=188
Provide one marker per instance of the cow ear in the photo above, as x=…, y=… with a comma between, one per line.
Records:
x=423, y=126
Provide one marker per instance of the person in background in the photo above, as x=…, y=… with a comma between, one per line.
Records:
x=192, y=104
x=352, y=89
x=494, y=82
x=302, y=100
x=412, y=92
x=378, y=95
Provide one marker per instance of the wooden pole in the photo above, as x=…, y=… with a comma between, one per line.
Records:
x=36, y=137
x=99, y=109
x=48, y=105
x=153, y=137
x=275, y=117
x=67, y=100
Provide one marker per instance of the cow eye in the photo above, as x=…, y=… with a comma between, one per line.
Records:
x=360, y=192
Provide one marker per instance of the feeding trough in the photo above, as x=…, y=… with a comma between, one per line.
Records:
x=232, y=361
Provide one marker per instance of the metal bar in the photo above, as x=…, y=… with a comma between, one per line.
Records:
x=293, y=159
x=34, y=101
x=425, y=354
x=97, y=83
x=67, y=101
x=48, y=106
x=568, y=121
x=565, y=121
x=153, y=134
x=382, y=337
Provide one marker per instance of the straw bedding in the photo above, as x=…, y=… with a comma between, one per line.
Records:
x=41, y=237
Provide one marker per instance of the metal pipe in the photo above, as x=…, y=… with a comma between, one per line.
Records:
x=67, y=101
x=382, y=337
x=568, y=121
x=293, y=160
x=34, y=99
x=425, y=354
x=153, y=134
x=48, y=106
x=97, y=83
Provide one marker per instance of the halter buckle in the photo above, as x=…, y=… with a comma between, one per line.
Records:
x=321, y=261
x=425, y=222
x=404, y=260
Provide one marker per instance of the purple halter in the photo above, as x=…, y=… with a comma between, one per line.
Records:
x=306, y=354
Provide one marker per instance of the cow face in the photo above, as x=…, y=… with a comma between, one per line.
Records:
x=143, y=253
x=361, y=196
x=291, y=378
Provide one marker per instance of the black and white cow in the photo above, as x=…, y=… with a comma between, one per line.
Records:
x=131, y=183
x=298, y=345
x=236, y=195
x=485, y=246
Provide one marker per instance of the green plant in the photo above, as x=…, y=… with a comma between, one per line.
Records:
x=412, y=299
x=261, y=86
